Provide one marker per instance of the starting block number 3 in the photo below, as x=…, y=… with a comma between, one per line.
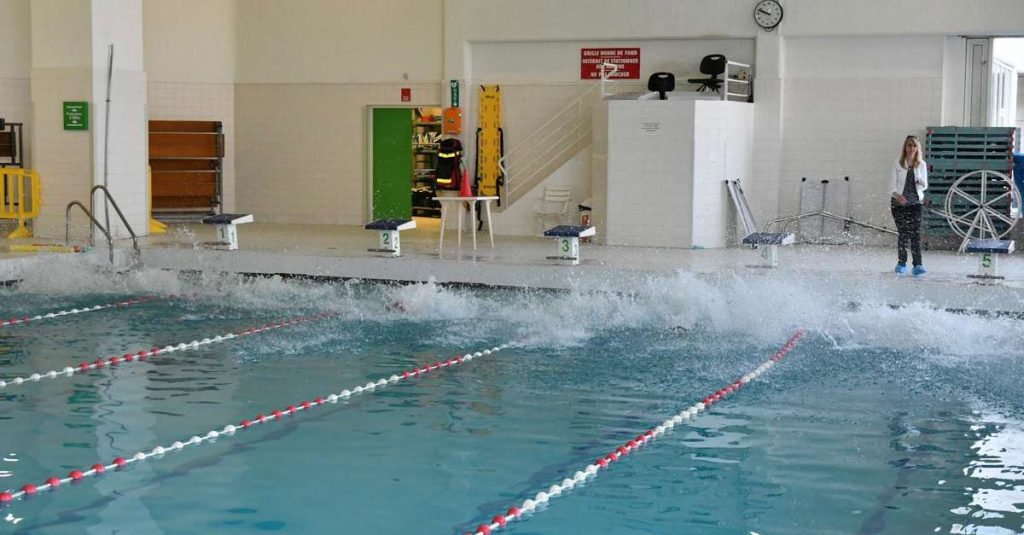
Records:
x=570, y=247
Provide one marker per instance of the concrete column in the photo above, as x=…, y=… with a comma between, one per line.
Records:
x=70, y=44
x=764, y=186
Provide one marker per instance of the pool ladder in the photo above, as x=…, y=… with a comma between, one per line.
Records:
x=89, y=213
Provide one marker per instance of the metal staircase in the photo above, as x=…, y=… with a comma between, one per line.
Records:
x=552, y=144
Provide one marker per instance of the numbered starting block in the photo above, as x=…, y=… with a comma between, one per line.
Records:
x=390, y=242
x=568, y=237
x=769, y=243
x=988, y=252
x=227, y=229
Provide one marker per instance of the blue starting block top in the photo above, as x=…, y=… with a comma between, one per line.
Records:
x=989, y=246
x=228, y=219
x=769, y=238
x=390, y=224
x=570, y=231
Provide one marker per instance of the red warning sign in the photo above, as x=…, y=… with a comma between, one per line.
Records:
x=627, y=59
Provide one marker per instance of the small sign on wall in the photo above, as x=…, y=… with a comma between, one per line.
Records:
x=455, y=93
x=406, y=94
x=76, y=115
x=627, y=59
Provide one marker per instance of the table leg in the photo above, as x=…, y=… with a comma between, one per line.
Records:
x=472, y=221
x=459, y=212
x=490, y=228
x=440, y=242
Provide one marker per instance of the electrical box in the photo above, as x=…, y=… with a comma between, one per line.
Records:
x=452, y=121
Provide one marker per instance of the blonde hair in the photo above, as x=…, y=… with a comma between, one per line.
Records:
x=918, y=157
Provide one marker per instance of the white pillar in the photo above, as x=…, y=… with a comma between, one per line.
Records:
x=70, y=44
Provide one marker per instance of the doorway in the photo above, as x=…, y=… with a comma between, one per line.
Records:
x=403, y=159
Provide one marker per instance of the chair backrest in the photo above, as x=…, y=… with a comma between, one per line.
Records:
x=713, y=64
x=557, y=194
x=662, y=82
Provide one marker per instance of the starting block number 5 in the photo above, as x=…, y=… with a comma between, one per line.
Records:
x=986, y=260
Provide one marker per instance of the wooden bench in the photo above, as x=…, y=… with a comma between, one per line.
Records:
x=227, y=231
x=186, y=160
x=568, y=237
x=389, y=229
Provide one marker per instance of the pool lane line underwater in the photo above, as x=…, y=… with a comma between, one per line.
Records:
x=73, y=311
x=144, y=354
x=53, y=483
x=530, y=505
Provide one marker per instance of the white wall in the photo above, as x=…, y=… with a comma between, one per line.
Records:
x=119, y=23
x=848, y=104
x=354, y=41
x=15, y=54
x=190, y=41
x=191, y=54
x=306, y=73
x=559, y=61
x=301, y=148
x=722, y=150
x=15, y=65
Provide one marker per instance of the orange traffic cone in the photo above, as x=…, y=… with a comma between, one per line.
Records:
x=465, y=190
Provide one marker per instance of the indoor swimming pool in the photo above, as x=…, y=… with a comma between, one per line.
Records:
x=881, y=419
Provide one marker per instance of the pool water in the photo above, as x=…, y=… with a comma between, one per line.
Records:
x=880, y=421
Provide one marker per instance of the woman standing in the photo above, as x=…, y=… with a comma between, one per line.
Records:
x=909, y=180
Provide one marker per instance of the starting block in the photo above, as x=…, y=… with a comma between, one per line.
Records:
x=227, y=231
x=569, y=241
x=769, y=243
x=390, y=242
x=989, y=251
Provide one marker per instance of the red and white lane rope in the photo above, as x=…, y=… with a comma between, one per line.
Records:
x=55, y=482
x=52, y=315
x=528, y=506
x=145, y=354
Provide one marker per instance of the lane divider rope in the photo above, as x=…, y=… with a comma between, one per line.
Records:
x=53, y=483
x=52, y=315
x=528, y=506
x=144, y=354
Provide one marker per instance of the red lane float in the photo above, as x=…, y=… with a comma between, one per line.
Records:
x=144, y=354
x=52, y=315
x=603, y=462
x=52, y=483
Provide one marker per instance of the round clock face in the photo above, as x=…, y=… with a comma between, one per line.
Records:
x=768, y=14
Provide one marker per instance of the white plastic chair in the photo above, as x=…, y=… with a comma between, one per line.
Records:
x=554, y=204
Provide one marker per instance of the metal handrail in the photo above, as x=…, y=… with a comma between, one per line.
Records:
x=786, y=221
x=88, y=213
x=532, y=140
x=106, y=192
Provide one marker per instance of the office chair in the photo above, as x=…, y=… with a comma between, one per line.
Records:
x=712, y=65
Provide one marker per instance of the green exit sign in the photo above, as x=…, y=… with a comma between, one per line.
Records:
x=76, y=115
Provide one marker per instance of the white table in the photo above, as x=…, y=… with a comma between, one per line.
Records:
x=446, y=203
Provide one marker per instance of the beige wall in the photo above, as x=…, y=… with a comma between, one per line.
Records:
x=15, y=54
x=307, y=70
x=190, y=41
x=354, y=41
x=301, y=148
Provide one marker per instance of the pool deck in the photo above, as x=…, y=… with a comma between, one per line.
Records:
x=341, y=252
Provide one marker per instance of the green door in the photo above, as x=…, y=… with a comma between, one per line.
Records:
x=392, y=163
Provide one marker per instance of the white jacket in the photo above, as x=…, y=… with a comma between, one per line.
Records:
x=899, y=179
